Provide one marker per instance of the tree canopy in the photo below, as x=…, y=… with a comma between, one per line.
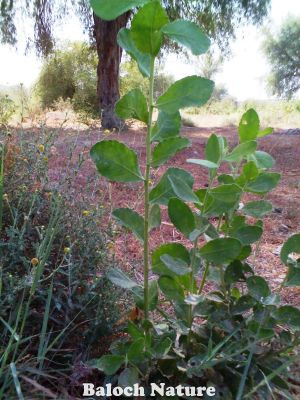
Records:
x=283, y=52
x=219, y=18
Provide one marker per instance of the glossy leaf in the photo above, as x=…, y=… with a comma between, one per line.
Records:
x=154, y=217
x=136, y=351
x=293, y=276
x=257, y=209
x=163, y=191
x=146, y=27
x=174, y=250
x=187, y=92
x=250, y=171
x=265, y=132
x=288, y=315
x=167, y=149
x=181, y=216
x=222, y=250
x=263, y=160
x=292, y=245
x=241, y=151
x=131, y=220
x=109, y=364
x=143, y=60
x=264, y=183
x=119, y=278
x=248, y=234
x=171, y=289
x=249, y=126
x=243, y=304
x=182, y=189
x=176, y=265
x=187, y=34
x=258, y=287
x=133, y=105
x=234, y=272
x=167, y=126
x=112, y=9
x=203, y=163
x=213, y=149
x=229, y=193
x=116, y=161
x=128, y=377
x=162, y=348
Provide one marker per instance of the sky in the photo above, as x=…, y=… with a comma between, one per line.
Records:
x=244, y=74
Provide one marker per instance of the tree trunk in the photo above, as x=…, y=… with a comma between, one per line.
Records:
x=109, y=55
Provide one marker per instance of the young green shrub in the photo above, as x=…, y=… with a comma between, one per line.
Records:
x=7, y=110
x=232, y=333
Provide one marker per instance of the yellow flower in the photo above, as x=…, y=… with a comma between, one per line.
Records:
x=5, y=196
x=67, y=250
x=106, y=132
x=41, y=148
x=45, y=159
x=35, y=261
x=85, y=213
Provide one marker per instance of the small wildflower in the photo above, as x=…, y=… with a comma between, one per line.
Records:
x=110, y=245
x=106, y=132
x=41, y=148
x=5, y=196
x=45, y=159
x=85, y=213
x=34, y=261
x=67, y=250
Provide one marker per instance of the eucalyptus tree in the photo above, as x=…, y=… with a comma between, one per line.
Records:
x=219, y=18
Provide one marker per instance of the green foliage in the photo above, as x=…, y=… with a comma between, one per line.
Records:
x=237, y=346
x=70, y=73
x=282, y=50
x=53, y=258
x=7, y=110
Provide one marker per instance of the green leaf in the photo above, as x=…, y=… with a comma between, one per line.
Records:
x=138, y=293
x=213, y=149
x=162, y=348
x=188, y=34
x=154, y=217
x=167, y=149
x=293, y=276
x=143, y=60
x=131, y=220
x=194, y=299
x=163, y=191
x=134, y=331
x=265, y=182
x=171, y=289
x=249, y=126
x=241, y=151
x=263, y=160
x=182, y=189
x=108, y=364
x=136, y=351
x=187, y=92
x=181, y=216
x=133, y=105
x=174, y=250
x=292, y=245
x=146, y=27
x=228, y=193
x=128, y=378
x=176, y=265
x=265, y=132
x=116, y=161
x=258, y=287
x=257, y=209
x=119, y=278
x=248, y=234
x=243, y=304
x=221, y=250
x=112, y=9
x=167, y=126
x=250, y=171
x=234, y=272
x=288, y=315
x=203, y=163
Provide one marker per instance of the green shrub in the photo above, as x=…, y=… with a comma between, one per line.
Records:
x=220, y=323
x=7, y=110
x=53, y=257
x=70, y=73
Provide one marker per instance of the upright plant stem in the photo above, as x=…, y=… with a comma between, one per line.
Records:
x=146, y=192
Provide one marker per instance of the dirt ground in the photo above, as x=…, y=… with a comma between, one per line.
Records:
x=279, y=225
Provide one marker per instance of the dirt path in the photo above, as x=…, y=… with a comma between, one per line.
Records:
x=279, y=225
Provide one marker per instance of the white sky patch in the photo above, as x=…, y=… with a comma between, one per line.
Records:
x=244, y=74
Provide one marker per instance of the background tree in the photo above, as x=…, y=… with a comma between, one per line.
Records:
x=283, y=52
x=219, y=18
